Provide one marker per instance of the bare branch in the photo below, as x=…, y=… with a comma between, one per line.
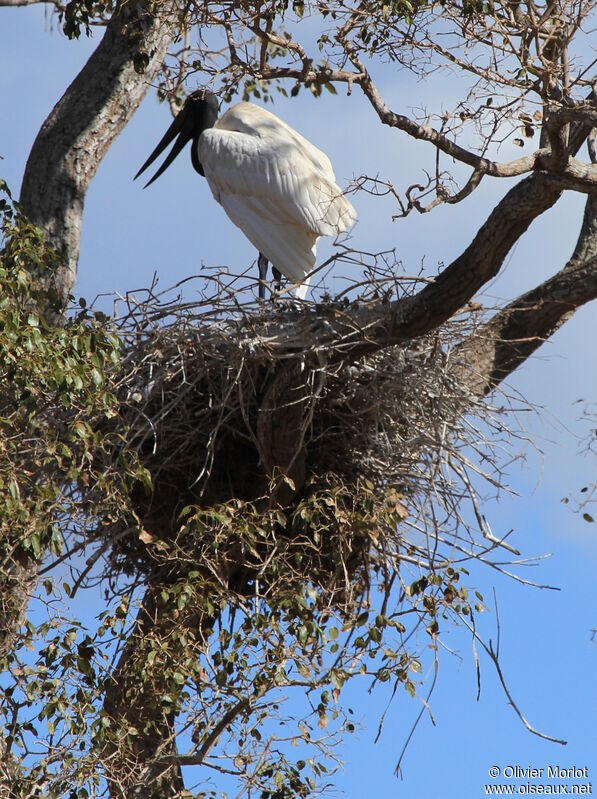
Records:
x=481, y=260
x=242, y=706
x=426, y=133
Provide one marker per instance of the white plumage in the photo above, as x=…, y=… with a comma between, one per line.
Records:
x=276, y=186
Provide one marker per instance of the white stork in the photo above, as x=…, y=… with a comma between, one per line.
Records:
x=276, y=186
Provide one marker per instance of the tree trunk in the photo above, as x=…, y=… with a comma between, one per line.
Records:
x=78, y=132
x=64, y=158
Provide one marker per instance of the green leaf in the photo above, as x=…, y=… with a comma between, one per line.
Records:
x=302, y=633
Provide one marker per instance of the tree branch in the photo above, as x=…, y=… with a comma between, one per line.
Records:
x=197, y=759
x=15, y=3
x=135, y=752
x=482, y=259
x=514, y=333
x=348, y=332
x=480, y=164
x=554, y=159
x=78, y=132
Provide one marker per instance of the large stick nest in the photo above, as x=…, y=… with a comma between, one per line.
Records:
x=264, y=406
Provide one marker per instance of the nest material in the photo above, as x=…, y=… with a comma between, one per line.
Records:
x=262, y=408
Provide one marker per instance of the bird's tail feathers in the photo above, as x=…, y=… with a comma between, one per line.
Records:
x=301, y=289
x=290, y=248
x=291, y=251
x=337, y=212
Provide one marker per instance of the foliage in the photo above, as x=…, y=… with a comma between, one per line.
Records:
x=78, y=15
x=54, y=388
x=228, y=656
x=583, y=500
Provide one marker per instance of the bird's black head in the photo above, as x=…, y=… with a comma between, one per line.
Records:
x=199, y=113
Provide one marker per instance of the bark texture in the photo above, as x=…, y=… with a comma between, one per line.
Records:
x=519, y=329
x=85, y=122
x=134, y=764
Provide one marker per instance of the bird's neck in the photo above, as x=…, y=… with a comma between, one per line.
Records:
x=209, y=117
x=195, y=157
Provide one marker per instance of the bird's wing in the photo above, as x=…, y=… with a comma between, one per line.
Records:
x=290, y=182
x=290, y=248
x=258, y=122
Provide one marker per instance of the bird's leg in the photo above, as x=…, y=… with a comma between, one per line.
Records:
x=277, y=279
x=262, y=265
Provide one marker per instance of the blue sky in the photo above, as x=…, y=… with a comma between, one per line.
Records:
x=175, y=227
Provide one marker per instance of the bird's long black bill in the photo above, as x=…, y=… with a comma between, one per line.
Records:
x=181, y=126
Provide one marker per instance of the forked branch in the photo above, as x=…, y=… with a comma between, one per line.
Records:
x=514, y=333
